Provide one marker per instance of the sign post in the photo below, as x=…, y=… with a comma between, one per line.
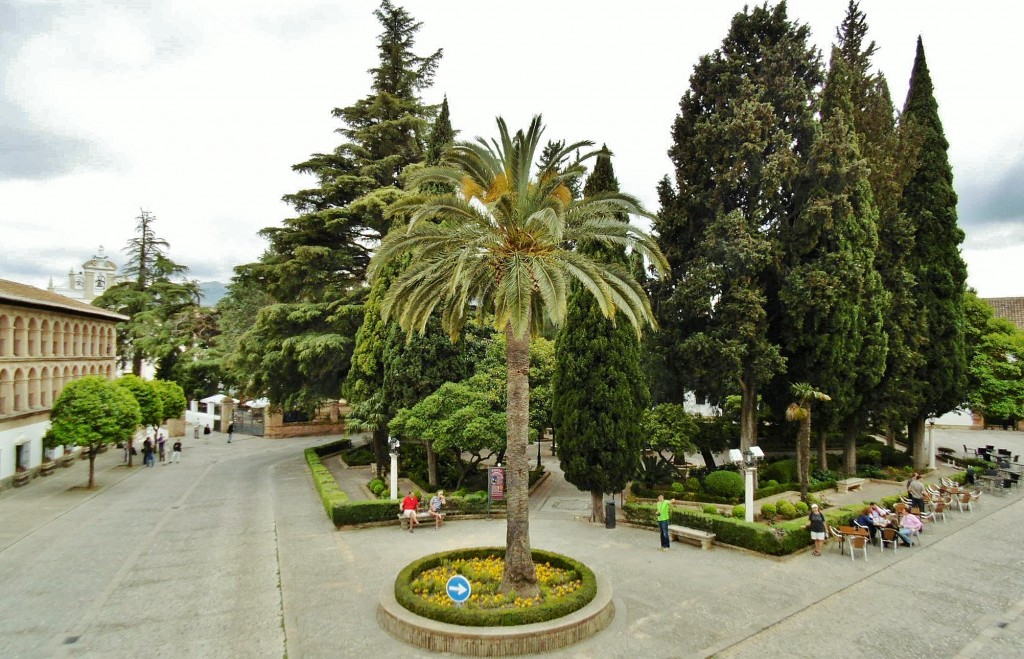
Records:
x=495, y=485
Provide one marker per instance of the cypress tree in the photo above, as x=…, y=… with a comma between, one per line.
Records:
x=929, y=201
x=832, y=296
x=600, y=392
x=740, y=143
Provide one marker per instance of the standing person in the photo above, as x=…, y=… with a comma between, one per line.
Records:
x=206, y=431
x=916, y=490
x=409, y=505
x=436, y=503
x=147, y=452
x=176, y=452
x=664, y=511
x=161, y=448
x=231, y=431
x=816, y=522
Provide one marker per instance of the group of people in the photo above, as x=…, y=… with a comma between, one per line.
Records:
x=411, y=502
x=152, y=450
x=873, y=518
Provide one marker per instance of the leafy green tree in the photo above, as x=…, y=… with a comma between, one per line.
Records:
x=670, y=431
x=996, y=369
x=501, y=245
x=800, y=411
x=832, y=297
x=93, y=411
x=150, y=295
x=147, y=396
x=939, y=271
x=172, y=399
x=600, y=392
x=740, y=143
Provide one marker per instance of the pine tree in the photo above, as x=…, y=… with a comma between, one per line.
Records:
x=832, y=296
x=739, y=145
x=929, y=201
x=600, y=392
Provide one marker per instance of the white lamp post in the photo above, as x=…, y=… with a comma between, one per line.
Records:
x=931, y=445
x=748, y=461
x=393, y=445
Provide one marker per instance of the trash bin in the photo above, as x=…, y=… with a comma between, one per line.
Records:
x=609, y=515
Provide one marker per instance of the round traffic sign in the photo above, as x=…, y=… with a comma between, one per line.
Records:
x=458, y=588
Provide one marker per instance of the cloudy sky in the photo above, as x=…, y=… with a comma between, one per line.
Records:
x=195, y=110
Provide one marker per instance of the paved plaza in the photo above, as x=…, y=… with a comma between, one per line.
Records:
x=229, y=554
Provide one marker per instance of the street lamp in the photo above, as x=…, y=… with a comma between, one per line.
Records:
x=931, y=446
x=393, y=445
x=747, y=460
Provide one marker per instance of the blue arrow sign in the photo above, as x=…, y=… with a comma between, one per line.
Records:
x=458, y=589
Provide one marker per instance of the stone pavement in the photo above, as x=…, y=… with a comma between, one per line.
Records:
x=229, y=554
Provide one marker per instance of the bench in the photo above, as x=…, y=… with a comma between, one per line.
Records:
x=705, y=538
x=850, y=484
x=21, y=478
x=422, y=516
x=47, y=468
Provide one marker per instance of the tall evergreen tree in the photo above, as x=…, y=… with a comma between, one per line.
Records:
x=832, y=296
x=740, y=143
x=929, y=201
x=154, y=293
x=600, y=392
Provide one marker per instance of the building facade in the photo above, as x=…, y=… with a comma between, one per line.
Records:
x=46, y=341
x=97, y=275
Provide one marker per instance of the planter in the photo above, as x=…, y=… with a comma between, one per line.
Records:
x=21, y=478
x=47, y=468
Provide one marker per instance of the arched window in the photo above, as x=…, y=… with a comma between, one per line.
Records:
x=6, y=391
x=45, y=387
x=33, y=337
x=94, y=344
x=46, y=338
x=67, y=340
x=20, y=391
x=76, y=340
x=19, y=336
x=111, y=341
x=6, y=340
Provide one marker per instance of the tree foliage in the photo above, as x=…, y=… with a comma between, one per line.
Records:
x=996, y=369
x=172, y=399
x=93, y=411
x=146, y=394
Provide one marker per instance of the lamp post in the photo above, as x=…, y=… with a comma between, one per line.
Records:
x=393, y=445
x=747, y=460
x=538, y=451
x=931, y=445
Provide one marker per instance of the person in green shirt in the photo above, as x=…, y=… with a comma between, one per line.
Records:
x=663, y=515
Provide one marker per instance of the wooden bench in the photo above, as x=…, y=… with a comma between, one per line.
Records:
x=422, y=516
x=705, y=538
x=850, y=484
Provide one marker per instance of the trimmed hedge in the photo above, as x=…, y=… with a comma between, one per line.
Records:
x=386, y=510
x=727, y=484
x=549, y=610
x=330, y=494
x=331, y=448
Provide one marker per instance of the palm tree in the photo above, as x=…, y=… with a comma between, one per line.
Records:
x=800, y=411
x=503, y=243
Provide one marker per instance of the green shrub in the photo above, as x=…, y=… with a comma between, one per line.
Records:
x=331, y=448
x=377, y=486
x=678, y=487
x=708, y=509
x=494, y=618
x=768, y=511
x=739, y=512
x=359, y=456
x=772, y=483
x=782, y=471
x=692, y=484
x=770, y=490
x=801, y=508
x=786, y=509
x=722, y=483
x=326, y=486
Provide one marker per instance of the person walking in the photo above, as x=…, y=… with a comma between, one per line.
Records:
x=176, y=452
x=231, y=431
x=816, y=522
x=147, y=453
x=161, y=448
x=664, y=511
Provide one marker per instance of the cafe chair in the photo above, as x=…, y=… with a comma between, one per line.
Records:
x=837, y=534
x=964, y=502
x=975, y=499
x=889, y=536
x=972, y=452
x=858, y=543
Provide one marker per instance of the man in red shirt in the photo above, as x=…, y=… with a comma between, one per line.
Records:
x=409, y=505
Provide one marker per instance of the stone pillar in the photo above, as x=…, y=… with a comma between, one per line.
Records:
x=227, y=413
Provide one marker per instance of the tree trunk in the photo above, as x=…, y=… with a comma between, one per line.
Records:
x=850, y=431
x=709, y=458
x=597, y=507
x=804, y=453
x=748, y=411
x=915, y=437
x=431, y=466
x=131, y=446
x=890, y=437
x=823, y=449
x=92, y=467
x=137, y=364
x=520, y=575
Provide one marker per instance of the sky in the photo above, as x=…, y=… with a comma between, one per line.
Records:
x=195, y=110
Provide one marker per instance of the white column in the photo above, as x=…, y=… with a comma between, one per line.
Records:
x=394, y=475
x=749, y=494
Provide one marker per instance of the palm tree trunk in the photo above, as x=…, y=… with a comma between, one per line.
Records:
x=805, y=454
x=823, y=449
x=520, y=575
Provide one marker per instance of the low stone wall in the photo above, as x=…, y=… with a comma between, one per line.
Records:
x=496, y=641
x=303, y=430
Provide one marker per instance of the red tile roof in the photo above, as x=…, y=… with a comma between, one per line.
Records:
x=1010, y=308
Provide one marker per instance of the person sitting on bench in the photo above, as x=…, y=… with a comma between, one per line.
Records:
x=409, y=505
x=437, y=502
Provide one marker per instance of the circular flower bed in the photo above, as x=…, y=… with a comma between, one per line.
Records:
x=566, y=585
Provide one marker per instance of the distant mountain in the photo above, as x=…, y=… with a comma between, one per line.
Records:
x=213, y=291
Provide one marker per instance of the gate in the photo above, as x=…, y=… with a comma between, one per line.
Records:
x=248, y=422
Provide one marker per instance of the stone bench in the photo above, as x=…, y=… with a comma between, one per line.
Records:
x=705, y=538
x=850, y=484
x=422, y=516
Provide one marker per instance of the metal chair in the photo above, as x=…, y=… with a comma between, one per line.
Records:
x=889, y=536
x=972, y=452
x=837, y=534
x=964, y=502
x=858, y=543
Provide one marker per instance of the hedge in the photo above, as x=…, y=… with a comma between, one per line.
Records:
x=549, y=610
x=386, y=510
x=330, y=494
x=332, y=447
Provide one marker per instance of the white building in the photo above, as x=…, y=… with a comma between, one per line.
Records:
x=97, y=275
